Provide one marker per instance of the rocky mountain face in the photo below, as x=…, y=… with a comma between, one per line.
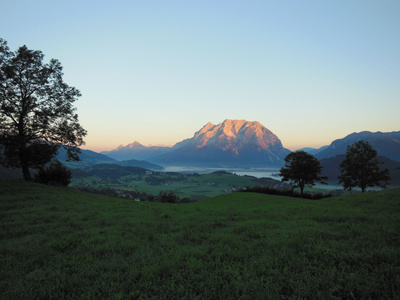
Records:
x=385, y=143
x=232, y=143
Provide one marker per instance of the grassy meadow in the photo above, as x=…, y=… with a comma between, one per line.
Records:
x=58, y=243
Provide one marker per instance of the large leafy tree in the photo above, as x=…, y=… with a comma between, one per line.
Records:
x=36, y=110
x=302, y=169
x=360, y=168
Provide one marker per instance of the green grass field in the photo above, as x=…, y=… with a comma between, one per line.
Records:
x=57, y=243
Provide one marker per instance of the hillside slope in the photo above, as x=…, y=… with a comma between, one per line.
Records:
x=59, y=243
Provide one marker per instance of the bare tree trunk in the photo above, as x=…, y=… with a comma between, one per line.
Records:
x=25, y=171
x=24, y=164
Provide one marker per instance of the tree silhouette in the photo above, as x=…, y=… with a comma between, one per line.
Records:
x=302, y=169
x=36, y=111
x=54, y=174
x=360, y=168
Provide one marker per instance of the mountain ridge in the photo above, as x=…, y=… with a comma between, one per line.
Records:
x=385, y=143
x=237, y=142
x=229, y=143
x=136, y=151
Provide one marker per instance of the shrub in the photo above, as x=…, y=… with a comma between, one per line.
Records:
x=280, y=192
x=54, y=174
x=168, y=197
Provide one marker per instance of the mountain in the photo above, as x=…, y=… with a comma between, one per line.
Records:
x=385, y=143
x=312, y=151
x=87, y=157
x=232, y=143
x=90, y=158
x=136, y=151
x=141, y=164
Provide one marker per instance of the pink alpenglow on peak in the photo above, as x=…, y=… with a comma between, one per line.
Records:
x=235, y=133
x=231, y=143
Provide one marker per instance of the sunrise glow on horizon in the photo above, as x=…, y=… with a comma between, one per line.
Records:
x=158, y=71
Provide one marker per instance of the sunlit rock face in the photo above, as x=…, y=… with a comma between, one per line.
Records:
x=232, y=143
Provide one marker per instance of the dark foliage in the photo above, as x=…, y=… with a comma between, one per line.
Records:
x=287, y=193
x=164, y=197
x=264, y=180
x=54, y=174
x=360, y=168
x=302, y=169
x=168, y=197
x=193, y=175
x=221, y=172
x=36, y=111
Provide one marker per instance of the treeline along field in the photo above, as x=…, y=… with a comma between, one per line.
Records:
x=59, y=243
x=186, y=185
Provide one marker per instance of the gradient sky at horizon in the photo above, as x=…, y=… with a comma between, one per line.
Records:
x=158, y=71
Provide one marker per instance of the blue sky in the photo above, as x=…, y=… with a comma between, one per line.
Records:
x=157, y=71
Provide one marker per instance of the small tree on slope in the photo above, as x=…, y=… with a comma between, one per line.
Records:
x=360, y=168
x=302, y=169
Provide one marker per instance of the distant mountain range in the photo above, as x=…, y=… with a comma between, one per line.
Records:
x=331, y=168
x=232, y=143
x=87, y=157
x=385, y=143
x=313, y=151
x=90, y=158
x=240, y=143
x=235, y=143
x=136, y=151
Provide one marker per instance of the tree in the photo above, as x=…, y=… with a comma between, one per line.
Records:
x=302, y=169
x=168, y=197
x=36, y=111
x=360, y=168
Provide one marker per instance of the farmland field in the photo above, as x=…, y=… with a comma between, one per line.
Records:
x=186, y=185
